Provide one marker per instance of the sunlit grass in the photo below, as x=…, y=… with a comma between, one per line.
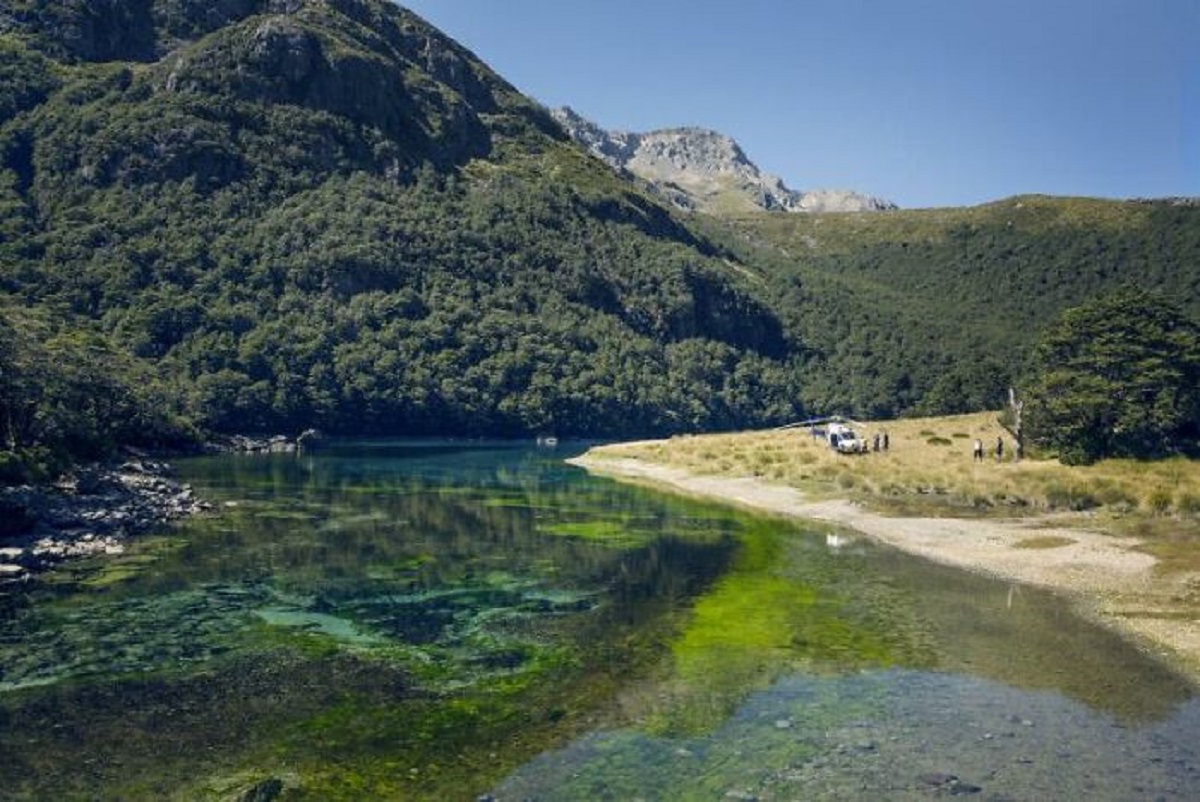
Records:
x=929, y=469
x=843, y=232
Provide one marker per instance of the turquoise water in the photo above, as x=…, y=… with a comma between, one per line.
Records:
x=436, y=620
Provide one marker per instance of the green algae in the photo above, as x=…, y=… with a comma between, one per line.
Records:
x=629, y=531
x=108, y=571
x=611, y=533
x=782, y=607
x=412, y=643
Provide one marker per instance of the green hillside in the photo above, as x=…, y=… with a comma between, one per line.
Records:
x=266, y=215
x=326, y=214
x=937, y=310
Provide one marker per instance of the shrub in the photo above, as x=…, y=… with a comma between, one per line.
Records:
x=1159, y=501
x=1116, y=497
x=12, y=469
x=30, y=465
x=1070, y=498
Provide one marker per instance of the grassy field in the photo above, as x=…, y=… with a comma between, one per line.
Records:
x=929, y=469
x=846, y=232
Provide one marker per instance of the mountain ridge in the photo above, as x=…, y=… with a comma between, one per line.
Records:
x=697, y=168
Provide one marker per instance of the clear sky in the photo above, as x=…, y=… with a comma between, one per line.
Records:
x=923, y=102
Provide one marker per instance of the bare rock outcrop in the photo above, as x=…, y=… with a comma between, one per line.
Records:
x=700, y=169
x=93, y=510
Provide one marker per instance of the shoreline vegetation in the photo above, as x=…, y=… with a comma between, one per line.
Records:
x=1119, y=539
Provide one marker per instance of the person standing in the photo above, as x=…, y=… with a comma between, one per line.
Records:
x=999, y=449
x=978, y=452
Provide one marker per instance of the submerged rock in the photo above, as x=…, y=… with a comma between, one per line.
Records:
x=944, y=783
x=265, y=791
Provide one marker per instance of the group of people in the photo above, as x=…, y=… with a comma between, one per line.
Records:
x=978, y=450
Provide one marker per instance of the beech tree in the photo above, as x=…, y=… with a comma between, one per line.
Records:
x=1117, y=377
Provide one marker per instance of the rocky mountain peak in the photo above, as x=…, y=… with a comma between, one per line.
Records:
x=701, y=169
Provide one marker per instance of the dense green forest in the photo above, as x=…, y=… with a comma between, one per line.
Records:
x=1117, y=377
x=938, y=311
x=267, y=215
x=332, y=216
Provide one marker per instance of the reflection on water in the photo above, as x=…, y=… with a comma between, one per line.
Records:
x=419, y=620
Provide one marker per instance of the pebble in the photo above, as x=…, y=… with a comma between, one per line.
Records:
x=93, y=512
x=948, y=783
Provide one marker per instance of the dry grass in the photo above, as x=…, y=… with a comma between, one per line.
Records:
x=929, y=470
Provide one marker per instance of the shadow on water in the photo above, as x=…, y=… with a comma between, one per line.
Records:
x=422, y=619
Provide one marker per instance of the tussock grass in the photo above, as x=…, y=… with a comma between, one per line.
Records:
x=929, y=469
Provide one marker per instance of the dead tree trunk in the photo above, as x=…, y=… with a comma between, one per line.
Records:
x=1015, y=408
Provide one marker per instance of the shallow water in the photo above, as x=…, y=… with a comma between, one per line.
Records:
x=439, y=620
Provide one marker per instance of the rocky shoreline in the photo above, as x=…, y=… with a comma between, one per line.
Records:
x=277, y=444
x=93, y=510
x=96, y=508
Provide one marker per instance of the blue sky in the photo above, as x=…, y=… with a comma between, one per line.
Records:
x=923, y=102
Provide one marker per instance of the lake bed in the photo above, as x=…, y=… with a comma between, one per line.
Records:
x=441, y=620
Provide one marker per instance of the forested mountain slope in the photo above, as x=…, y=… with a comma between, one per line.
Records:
x=265, y=215
x=325, y=213
x=936, y=310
